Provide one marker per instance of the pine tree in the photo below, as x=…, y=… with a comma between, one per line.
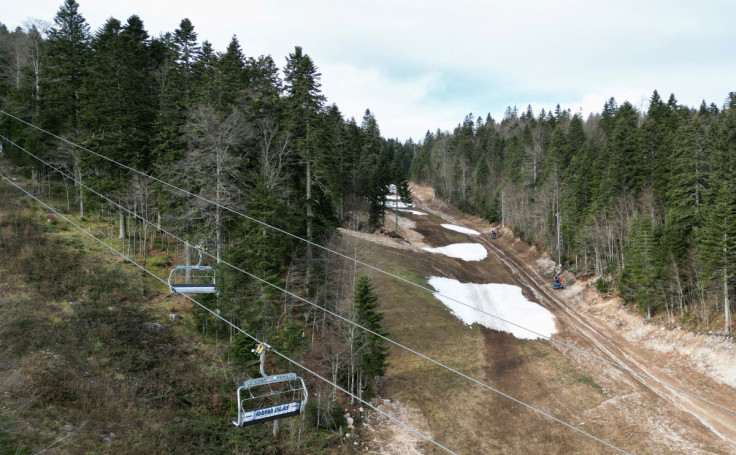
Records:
x=206, y=77
x=639, y=275
x=717, y=244
x=375, y=177
x=176, y=81
x=717, y=237
x=372, y=349
x=118, y=111
x=305, y=103
x=656, y=147
x=188, y=51
x=65, y=51
x=687, y=172
x=232, y=77
x=264, y=91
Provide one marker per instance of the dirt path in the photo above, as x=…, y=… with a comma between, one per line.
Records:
x=616, y=349
x=603, y=396
x=594, y=335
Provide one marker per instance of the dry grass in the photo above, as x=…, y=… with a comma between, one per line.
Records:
x=91, y=363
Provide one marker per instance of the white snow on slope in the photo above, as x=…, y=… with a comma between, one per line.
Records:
x=502, y=300
x=398, y=205
x=393, y=201
x=464, y=251
x=413, y=212
x=461, y=229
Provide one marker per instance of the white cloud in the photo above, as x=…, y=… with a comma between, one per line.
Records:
x=423, y=65
x=400, y=106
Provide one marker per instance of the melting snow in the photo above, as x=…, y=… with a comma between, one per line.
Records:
x=397, y=205
x=413, y=212
x=393, y=201
x=464, y=230
x=502, y=300
x=464, y=251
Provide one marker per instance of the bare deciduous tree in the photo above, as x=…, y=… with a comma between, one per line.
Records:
x=211, y=167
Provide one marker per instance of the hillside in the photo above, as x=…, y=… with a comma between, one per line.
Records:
x=96, y=358
x=635, y=414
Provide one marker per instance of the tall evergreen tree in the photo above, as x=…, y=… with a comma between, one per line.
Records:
x=305, y=101
x=639, y=275
x=373, y=167
x=717, y=245
x=232, y=76
x=66, y=51
x=372, y=348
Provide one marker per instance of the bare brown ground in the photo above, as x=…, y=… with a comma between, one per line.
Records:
x=633, y=413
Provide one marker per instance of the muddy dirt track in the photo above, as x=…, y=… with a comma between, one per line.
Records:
x=625, y=395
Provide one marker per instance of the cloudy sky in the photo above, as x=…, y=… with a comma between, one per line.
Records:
x=424, y=65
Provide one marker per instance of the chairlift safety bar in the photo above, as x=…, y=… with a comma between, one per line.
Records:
x=270, y=380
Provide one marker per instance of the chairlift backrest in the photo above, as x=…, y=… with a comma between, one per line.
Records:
x=193, y=279
x=258, y=401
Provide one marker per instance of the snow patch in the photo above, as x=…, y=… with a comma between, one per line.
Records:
x=398, y=205
x=393, y=201
x=413, y=212
x=504, y=301
x=464, y=251
x=461, y=229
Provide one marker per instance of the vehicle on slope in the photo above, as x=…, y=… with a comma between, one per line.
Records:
x=557, y=283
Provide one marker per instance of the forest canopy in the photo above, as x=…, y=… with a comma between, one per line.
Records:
x=645, y=198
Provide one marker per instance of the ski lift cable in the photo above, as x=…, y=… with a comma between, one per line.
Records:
x=214, y=313
x=357, y=261
x=395, y=343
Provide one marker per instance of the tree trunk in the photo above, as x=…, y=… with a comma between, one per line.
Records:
x=68, y=201
x=144, y=244
x=218, y=209
x=123, y=228
x=680, y=293
x=310, y=216
x=726, y=305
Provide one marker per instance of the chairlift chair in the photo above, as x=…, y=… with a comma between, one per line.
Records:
x=270, y=397
x=193, y=279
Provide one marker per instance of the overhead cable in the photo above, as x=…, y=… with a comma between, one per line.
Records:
x=332, y=313
x=359, y=262
x=226, y=321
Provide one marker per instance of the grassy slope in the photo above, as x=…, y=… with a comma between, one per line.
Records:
x=90, y=362
x=467, y=417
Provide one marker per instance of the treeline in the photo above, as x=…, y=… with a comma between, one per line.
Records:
x=225, y=127
x=646, y=198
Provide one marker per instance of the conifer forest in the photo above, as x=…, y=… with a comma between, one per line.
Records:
x=248, y=158
x=644, y=198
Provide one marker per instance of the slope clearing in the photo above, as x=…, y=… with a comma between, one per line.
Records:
x=634, y=414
